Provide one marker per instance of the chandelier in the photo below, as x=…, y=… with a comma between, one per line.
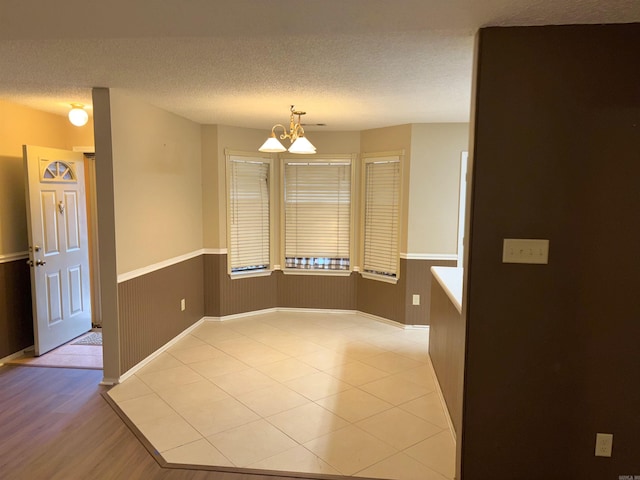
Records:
x=299, y=143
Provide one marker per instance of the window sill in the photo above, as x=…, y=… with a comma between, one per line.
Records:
x=251, y=274
x=310, y=271
x=380, y=278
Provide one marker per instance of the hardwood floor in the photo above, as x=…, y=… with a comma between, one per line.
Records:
x=55, y=425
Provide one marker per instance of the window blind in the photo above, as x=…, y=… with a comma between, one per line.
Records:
x=249, y=230
x=317, y=204
x=381, y=216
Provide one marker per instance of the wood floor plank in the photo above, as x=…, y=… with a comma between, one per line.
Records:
x=55, y=425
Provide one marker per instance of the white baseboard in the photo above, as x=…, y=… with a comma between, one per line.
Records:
x=236, y=316
x=278, y=309
x=391, y=322
x=154, y=355
x=109, y=382
x=13, y=356
x=317, y=310
x=442, y=401
x=416, y=327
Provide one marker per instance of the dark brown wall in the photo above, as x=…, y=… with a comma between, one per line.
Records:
x=316, y=291
x=383, y=299
x=212, y=284
x=395, y=302
x=16, y=320
x=418, y=281
x=224, y=296
x=446, y=350
x=149, y=308
x=552, y=350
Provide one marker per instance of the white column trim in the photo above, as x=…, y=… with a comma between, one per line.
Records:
x=123, y=277
x=429, y=256
x=215, y=251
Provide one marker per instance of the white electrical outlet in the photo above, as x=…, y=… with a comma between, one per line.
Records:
x=416, y=299
x=604, y=444
x=183, y=304
x=525, y=250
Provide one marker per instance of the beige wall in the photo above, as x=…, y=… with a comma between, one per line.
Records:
x=333, y=142
x=434, y=186
x=19, y=126
x=157, y=185
x=210, y=190
x=391, y=139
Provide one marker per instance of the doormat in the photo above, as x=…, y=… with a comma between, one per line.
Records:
x=93, y=338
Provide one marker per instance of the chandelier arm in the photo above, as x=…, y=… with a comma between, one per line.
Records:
x=284, y=131
x=299, y=131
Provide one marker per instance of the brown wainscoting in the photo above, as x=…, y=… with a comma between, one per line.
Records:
x=317, y=291
x=382, y=299
x=212, y=284
x=242, y=295
x=149, y=308
x=16, y=318
x=395, y=302
x=226, y=296
x=418, y=281
x=446, y=349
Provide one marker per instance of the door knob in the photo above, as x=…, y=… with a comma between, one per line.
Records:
x=30, y=263
x=39, y=263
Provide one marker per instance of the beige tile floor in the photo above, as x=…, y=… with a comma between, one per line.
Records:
x=305, y=392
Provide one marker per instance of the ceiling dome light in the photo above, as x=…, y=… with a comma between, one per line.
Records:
x=78, y=116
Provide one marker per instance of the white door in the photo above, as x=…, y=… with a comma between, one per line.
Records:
x=58, y=246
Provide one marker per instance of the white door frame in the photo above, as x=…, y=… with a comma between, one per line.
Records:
x=92, y=208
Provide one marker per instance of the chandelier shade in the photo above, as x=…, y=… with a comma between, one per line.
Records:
x=272, y=145
x=302, y=146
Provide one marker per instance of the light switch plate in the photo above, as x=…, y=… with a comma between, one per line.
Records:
x=525, y=250
x=416, y=299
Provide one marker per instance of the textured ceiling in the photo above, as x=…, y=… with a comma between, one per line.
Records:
x=352, y=64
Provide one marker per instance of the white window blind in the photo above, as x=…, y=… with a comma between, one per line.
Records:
x=381, y=216
x=317, y=208
x=249, y=226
